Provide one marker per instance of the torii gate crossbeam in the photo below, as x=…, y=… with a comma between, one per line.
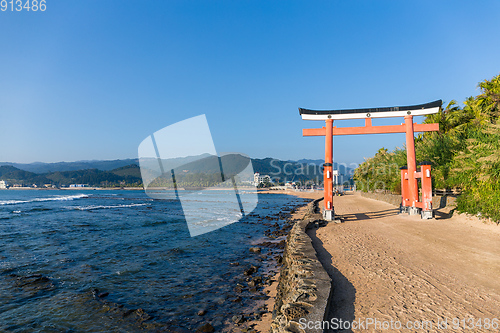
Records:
x=410, y=200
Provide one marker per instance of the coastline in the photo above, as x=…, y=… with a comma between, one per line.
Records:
x=244, y=188
x=271, y=290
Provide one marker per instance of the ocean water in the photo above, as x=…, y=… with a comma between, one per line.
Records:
x=119, y=261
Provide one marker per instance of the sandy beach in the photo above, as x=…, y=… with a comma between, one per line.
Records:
x=387, y=267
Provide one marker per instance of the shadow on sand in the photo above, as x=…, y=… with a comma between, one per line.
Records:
x=370, y=215
x=343, y=293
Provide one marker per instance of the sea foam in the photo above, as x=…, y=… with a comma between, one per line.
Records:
x=57, y=198
x=92, y=207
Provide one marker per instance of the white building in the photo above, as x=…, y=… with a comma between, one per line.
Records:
x=257, y=179
x=3, y=184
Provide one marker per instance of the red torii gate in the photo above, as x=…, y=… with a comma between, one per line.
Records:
x=409, y=177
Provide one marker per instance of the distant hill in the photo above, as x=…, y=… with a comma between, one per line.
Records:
x=131, y=170
x=40, y=167
x=124, y=176
x=306, y=161
x=287, y=170
x=344, y=171
x=127, y=172
x=15, y=175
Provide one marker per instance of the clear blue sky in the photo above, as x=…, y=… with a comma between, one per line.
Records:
x=91, y=79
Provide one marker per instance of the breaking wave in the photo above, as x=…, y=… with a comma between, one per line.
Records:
x=57, y=198
x=92, y=207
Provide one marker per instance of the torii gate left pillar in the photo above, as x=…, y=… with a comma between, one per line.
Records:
x=328, y=212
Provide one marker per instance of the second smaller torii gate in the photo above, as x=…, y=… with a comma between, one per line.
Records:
x=409, y=177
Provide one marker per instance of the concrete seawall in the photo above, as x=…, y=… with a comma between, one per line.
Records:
x=304, y=286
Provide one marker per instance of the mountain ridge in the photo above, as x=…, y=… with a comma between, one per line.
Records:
x=127, y=172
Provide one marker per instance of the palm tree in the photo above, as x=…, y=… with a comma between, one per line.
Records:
x=446, y=118
x=489, y=100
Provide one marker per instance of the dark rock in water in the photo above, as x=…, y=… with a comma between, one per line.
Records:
x=32, y=280
x=33, y=284
x=251, y=270
x=177, y=330
x=234, y=264
x=255, y=249
x=202, y=312
x=257, y=279
x=176, y=250
x=236, y=300
x=181, y=330
x=274, y=245
x=127, y=313
x=206, y=328
x=238, y=319
x=103, y=294
x=143, y=316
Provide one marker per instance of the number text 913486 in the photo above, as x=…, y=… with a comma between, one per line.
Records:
x=23, y=5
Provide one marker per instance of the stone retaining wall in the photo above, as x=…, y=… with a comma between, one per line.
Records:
x=438, y=201
x=393, y=199
x=304, y=286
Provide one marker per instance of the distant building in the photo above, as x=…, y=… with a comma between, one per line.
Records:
x=4, y=184
x=258, y=179
x=78, y=185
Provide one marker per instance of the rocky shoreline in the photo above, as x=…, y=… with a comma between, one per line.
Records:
x=258, y=278
x=304, y=286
